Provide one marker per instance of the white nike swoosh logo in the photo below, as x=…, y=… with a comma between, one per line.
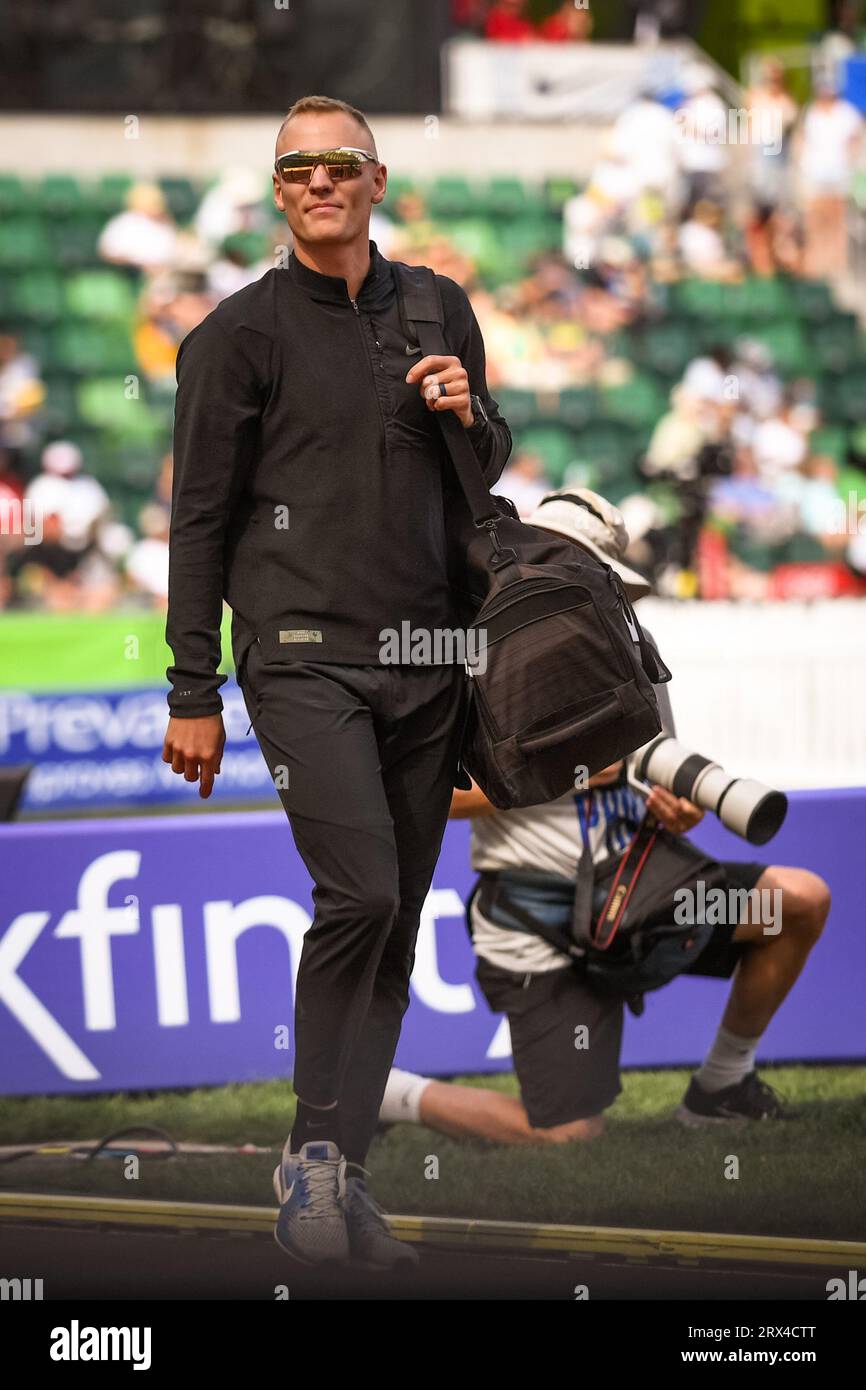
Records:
x=410, y=351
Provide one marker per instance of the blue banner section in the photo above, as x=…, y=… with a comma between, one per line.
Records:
x=162, y=951
x=104, y=748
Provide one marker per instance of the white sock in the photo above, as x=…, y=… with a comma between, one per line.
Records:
x=729, y=1059
x=402, y=1098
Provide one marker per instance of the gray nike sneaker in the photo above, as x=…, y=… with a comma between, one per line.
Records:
x=370, y=1238
x=310, y=1186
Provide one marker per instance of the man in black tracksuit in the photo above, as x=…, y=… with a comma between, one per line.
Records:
x=311, y=484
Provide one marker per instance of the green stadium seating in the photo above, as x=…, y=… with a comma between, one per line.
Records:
x=24, y=244
x=398, y=184
x=16, y=197
x=811, y=299
x=37, y=296
x=638, y=402
x=830, y=440
x=577, y=405
x=667, y=347
x=182, y=198
x=476, y=238
x=609, y=447
x=60, y=411
x=517, y=407
x=557, y=192
x=506, y=197
x=100, y=294
x=84, y=349
x=448, y=196
x=74, y=242
x=103, y=404
x=847, y=396
x=60, y=195
x=553, y=445
x=109, y=194
x=836, y=342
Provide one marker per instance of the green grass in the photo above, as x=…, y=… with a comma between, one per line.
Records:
x=803, y=1177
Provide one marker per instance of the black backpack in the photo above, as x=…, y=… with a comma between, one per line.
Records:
x=565, y=685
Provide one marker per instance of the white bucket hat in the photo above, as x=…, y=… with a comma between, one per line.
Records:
x=594, y=523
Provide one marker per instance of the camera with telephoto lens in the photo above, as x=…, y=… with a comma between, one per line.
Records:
x=745, y=806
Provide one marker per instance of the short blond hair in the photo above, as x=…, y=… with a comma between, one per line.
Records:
x=320, y=103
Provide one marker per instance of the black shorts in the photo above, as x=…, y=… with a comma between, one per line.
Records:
x=559, y=1080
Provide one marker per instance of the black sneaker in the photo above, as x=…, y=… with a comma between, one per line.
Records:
x=749, y=1099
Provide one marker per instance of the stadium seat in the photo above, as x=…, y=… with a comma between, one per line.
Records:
x=836, y=342
x=518, y=408
x=812, y=299
x=667, y=347
x=81, y=348
x=849, y=396
x=37, y=296
x=74, y=242
x=16, y=197
x=61, y=195
x=60, y=411
x=639, y=402
x=182, y=198
x=553, y=445
x=703, y=299
x=100, y=294
x=791, y=352
x=103, y=404
x=448, y=196
x=507, y=197
x=24, y=243
x=608, y=447
x=557, y=192
x=476, y=238
x=577, y=405
x=830, y=440
x=109, y=194
x=398, y=184
x=765, y=297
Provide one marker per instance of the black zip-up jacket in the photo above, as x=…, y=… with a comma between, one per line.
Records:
x=310, y=480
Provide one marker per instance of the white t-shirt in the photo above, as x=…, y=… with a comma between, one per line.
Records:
x=645, y=135
x=136, y=239
x=548, y=838
x=777, y=447
x=79, y=502
x=825, y=160
x=702, y=131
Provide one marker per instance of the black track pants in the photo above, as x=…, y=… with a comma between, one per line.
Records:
x=363, y=759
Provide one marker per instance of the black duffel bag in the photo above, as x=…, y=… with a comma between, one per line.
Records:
x=561, y=672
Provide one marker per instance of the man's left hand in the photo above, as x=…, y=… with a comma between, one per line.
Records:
x=430, y=371
x=674, y=812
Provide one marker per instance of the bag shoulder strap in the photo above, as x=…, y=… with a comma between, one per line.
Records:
x=423, y=317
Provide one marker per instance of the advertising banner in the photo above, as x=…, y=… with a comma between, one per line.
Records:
x=162, y=951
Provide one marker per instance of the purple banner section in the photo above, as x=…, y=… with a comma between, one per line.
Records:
x=161, y=951
x=103, y=748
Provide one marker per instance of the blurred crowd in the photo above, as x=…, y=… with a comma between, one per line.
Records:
x=732, y=449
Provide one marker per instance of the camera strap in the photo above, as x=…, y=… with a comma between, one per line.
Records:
x=600, y=934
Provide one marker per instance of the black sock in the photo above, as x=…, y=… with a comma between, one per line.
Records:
x=316, y=1124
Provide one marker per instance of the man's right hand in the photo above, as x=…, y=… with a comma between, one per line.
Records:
x=194, y=747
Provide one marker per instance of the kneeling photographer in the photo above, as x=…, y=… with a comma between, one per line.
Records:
x=585, y=903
